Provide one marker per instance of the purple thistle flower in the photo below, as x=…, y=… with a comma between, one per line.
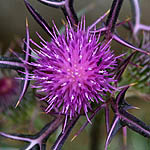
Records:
x=8, y=92
x=73, y=70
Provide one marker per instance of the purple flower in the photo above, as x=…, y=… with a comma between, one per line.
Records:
x=8, y=92
x=73, y=70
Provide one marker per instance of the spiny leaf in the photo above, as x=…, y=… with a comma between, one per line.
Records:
x=134, y=123
x=129, y=45
x=113, y=15
x=121, y=68
x=116, y=125
x=63, y=135
x=38, y=18
x=38, y=140
x=53, y=3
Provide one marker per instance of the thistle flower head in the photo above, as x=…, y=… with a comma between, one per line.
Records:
x=141, y=73
x=73, y=70
x=8, y=91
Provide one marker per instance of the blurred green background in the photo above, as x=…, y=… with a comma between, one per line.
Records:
x=27, y=118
